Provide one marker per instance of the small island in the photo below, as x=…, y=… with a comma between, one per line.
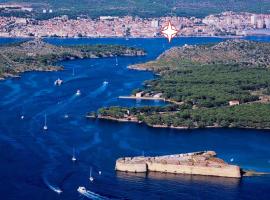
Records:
x=37, y=55
x=206, y=86
x=197, y=163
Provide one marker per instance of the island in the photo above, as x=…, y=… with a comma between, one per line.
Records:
x=37, y=55
x=224, y=84
x=196, y=163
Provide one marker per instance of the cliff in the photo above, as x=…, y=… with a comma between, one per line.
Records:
x=197, y=163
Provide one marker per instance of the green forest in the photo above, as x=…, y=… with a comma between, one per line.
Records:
x=144, y=8
x=204, y=79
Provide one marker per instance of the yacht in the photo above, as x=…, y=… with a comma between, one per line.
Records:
x=45, y=127
x=58, y=82
x=78, y=93
x=81, y=189
x=90, y=176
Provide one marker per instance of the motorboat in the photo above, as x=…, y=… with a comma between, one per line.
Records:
x=58, y=82
x=81, y=189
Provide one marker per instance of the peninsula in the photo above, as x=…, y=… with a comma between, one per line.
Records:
x=197, y=163
x=217, y=85
x=36, y=55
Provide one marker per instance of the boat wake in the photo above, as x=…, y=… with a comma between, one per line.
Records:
x=52, y=187
x=92, y=195
x=99, y=90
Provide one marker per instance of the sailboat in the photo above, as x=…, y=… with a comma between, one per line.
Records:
x=90, y=175
x=73, y=156
x=73, y=72
x=45, y=127
x=116, y=61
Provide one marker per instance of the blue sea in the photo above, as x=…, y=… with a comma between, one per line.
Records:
x=35, y=164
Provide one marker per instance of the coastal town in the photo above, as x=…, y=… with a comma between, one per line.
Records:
x=224, y=24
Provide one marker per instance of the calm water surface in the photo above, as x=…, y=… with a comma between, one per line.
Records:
x=34, y=163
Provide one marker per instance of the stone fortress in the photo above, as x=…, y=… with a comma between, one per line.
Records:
x=197, y=163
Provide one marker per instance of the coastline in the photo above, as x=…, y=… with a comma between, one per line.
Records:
x=135, y=120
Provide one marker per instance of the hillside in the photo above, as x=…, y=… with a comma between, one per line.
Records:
x=36, y=55
x=201, y=81
x=146, y=8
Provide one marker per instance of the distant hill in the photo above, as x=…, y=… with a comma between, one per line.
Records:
x=144, y=8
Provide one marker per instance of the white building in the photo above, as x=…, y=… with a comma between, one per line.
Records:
x=267, y=23
x=253, y=20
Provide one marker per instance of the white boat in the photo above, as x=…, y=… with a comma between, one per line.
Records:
x=58, y=82
x=73, y=156
x=90, y=175
x=105, y=82
x=81, y=189
x=22, y=117
x=78, y=93
x=66, y=116
x=45, y=127
x=99, y=172
x=58, y=191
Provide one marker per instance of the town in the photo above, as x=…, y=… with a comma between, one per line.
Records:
x=224, y=24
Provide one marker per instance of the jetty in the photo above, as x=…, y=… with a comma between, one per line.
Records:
x=196, y=163
x=142, y=98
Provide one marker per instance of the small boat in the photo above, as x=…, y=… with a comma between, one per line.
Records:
x=81, y=189
x=66, y=116
x=99, y=172
x=90, y=176
x=232, y=159
x=45, y=127
x=58, y=82
x=22, y=117
x=73, y=156
x=105, y=82
x=78, y=93
x=58, y=191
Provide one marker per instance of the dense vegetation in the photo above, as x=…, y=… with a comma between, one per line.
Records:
x=205, y=79
x=144, y=8
x=40, y=56
x=242, y=116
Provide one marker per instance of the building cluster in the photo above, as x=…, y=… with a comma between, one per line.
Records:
x=227, y=23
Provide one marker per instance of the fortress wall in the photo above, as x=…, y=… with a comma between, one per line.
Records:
x=131, y=167
x=227, y=171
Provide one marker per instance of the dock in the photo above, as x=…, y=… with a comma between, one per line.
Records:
x=142, y=98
